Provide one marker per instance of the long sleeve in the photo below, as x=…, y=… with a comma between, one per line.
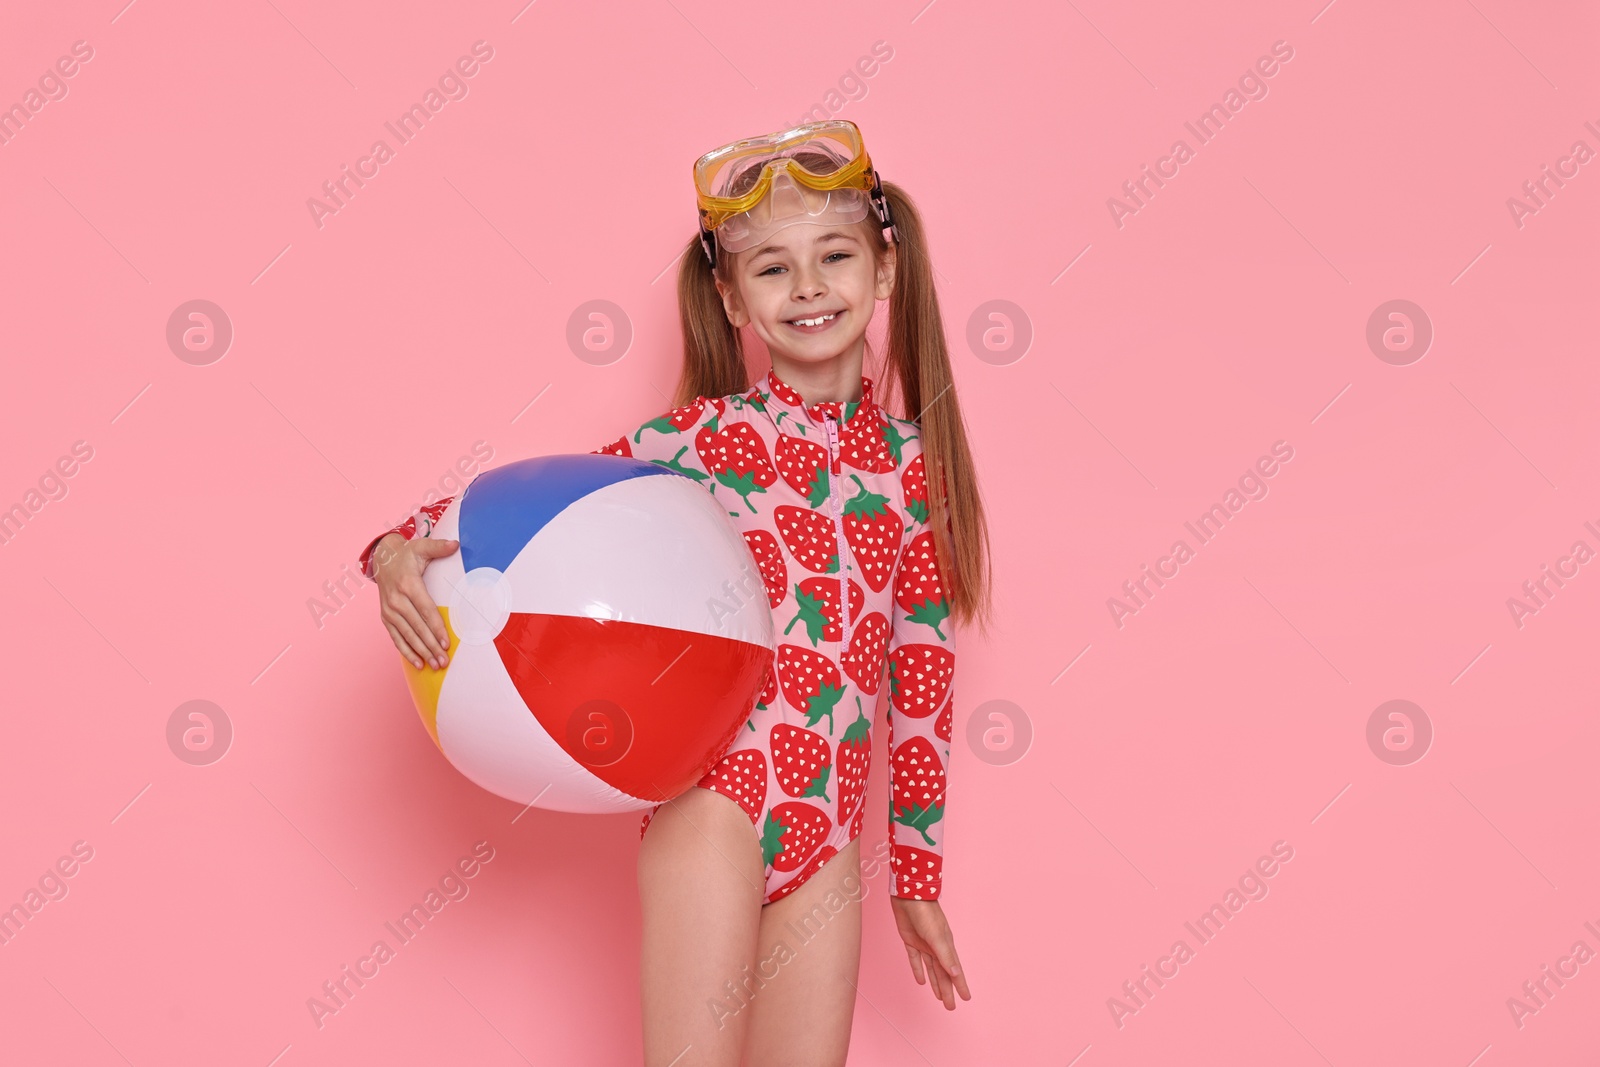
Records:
x=921, y=701
x=667, y=439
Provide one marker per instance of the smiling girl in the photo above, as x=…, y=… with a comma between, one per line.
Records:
x=869, y=533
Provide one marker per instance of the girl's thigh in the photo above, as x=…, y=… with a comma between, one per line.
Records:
x=810, y=945
x=701, y=883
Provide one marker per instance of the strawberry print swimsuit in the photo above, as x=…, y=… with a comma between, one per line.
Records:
x=825, y=493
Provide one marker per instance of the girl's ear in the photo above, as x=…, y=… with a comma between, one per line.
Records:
x=886, y=268
x=732, y=305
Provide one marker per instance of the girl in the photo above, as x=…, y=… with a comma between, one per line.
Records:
x=750, y=886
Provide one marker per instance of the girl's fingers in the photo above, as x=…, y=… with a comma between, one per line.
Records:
x=403, y=646
x=430, y=611
x=422, y=636
x=936, y=975
x=411, y=628
x=945, y=949
x=916, y=964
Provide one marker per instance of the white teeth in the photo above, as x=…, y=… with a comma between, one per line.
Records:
x=813, y=322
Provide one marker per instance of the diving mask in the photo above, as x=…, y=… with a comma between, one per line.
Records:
x=750, y=189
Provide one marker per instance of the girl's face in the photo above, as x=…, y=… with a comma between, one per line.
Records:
x=804, y=273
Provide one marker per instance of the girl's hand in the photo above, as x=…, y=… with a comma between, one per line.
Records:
x=409, y=613
x=930, y=945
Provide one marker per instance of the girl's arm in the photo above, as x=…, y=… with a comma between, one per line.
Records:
x=921, y=702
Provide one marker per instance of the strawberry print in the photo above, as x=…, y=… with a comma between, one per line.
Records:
x=804, y=465
x=801, y=760
x=809, y=537
x=918, y=587
x=863, y=660
x=824, y=854
x=769, y=561
x=736, y=457
x=742, y=777
x=855, y=759
x=792, y=833
x=919, y=677
x=914, y=487
x=810, y=683
x=915, y=868
x=797, y=769
x=862, y=443
x=917, y=791
x=873, y=530
x=817, y=605
x=769, y=693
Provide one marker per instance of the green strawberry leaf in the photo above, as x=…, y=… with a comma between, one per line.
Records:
x=866, y=504
x=811, y=612
x=743, y=484
x=930, y=613
x=919, y=819
x=895, y=441
x=771, y=840
x=675, y=464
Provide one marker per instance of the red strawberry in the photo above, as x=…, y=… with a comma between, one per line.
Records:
x=862, y=443
x=810, y=683
x=917, y=788
x=941, y=725
x=919, y=586
x=919, y=678
x=675, y=421
x=741, y=776
x=863, y=659
x=855, y=760
x=769, y=693
x=873, y=530
x=801, y=761
x=855, y=823
x=824, y=854
x=792, y=832
x=809, y=536
x=804, y=465
x=819, y=607
x=645, y=823
x=769, y=560
x=737, y=457
x=915, y=866
x=914, y=485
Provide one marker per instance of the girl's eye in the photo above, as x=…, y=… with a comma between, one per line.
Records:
x=826, y=259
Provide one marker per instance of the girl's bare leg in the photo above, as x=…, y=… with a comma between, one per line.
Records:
x=812, y=940
x=701, y=883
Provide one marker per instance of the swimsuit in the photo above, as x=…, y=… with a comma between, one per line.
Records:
x=809, y=485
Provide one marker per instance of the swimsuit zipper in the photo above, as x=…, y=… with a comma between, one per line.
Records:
x=838, y=532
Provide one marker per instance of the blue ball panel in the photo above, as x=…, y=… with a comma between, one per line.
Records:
x=504, y=508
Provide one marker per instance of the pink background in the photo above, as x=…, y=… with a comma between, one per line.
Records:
x=1230, y=312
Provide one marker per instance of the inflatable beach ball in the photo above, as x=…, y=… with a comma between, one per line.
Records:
x=609, y=633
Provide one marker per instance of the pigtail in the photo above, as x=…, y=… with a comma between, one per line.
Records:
x=713, y=352
x=918, y=358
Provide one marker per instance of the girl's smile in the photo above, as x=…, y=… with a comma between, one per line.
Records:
x=817, y=323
